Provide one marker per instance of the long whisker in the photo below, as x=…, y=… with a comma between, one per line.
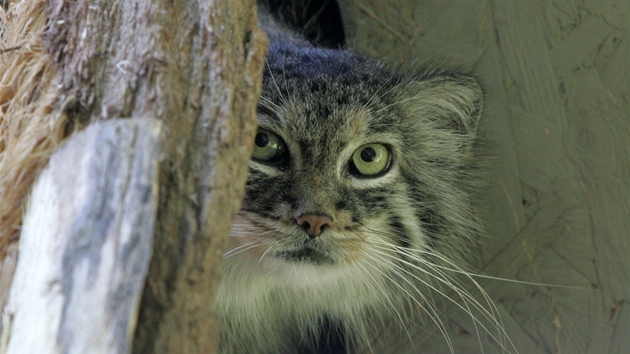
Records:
x=492, y=315
x=444, y=279
x=274, y=81
x=382, y=291
x=435, y=267
x=466, y=298
x=269, y=247
x=456, y=269
x=241, y=248
x=494, y=312
x=431, y=311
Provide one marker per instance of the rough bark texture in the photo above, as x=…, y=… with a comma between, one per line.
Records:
x=557, y=115
x=195, y=66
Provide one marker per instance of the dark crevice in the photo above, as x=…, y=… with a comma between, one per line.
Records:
x=332, y=339
x=318, y=20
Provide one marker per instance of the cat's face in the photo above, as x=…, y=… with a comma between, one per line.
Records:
x=348, y=170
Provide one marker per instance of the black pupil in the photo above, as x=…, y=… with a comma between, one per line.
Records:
x=262, y=140
x=368, y=154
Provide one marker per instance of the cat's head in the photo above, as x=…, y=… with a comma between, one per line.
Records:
x=354, y=164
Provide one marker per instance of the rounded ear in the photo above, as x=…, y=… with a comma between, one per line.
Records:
x=449, y=101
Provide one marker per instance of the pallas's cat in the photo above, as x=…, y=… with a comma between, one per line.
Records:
x=358, y=202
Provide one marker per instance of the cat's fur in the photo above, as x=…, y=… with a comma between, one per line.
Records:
x=378, y=263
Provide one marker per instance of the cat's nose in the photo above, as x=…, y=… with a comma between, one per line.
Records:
x=313, y=224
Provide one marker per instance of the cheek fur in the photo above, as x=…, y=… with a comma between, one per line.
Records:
x=248, y=238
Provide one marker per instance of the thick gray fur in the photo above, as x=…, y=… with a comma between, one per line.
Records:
x=377, y=265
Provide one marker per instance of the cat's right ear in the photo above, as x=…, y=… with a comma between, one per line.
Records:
x=451, y=101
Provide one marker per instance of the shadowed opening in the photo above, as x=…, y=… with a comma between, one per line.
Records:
x=318, y=20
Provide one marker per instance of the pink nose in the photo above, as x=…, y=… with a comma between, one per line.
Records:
x=314, y=224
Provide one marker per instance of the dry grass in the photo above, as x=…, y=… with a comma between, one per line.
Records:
x=30, y=126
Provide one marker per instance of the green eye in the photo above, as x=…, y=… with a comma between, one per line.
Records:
x=269, y=147
x=370, y=160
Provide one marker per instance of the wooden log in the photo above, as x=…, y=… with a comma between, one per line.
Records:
x=86, y=243
x=195, y=66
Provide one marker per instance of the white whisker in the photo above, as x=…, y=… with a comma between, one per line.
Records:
x=385, y=295
x=433, y=314
x=269, y=247
x=240, y=249
x=491, y=315
x=274, y=81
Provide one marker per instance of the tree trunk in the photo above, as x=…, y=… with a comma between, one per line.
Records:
x=195, y=67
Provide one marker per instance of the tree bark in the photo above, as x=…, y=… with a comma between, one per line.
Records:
x=196, y=67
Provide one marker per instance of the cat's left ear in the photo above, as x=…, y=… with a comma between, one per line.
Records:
x=450, y=101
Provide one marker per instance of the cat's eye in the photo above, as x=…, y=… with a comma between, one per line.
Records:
x=269, y=147
x=370, y=160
